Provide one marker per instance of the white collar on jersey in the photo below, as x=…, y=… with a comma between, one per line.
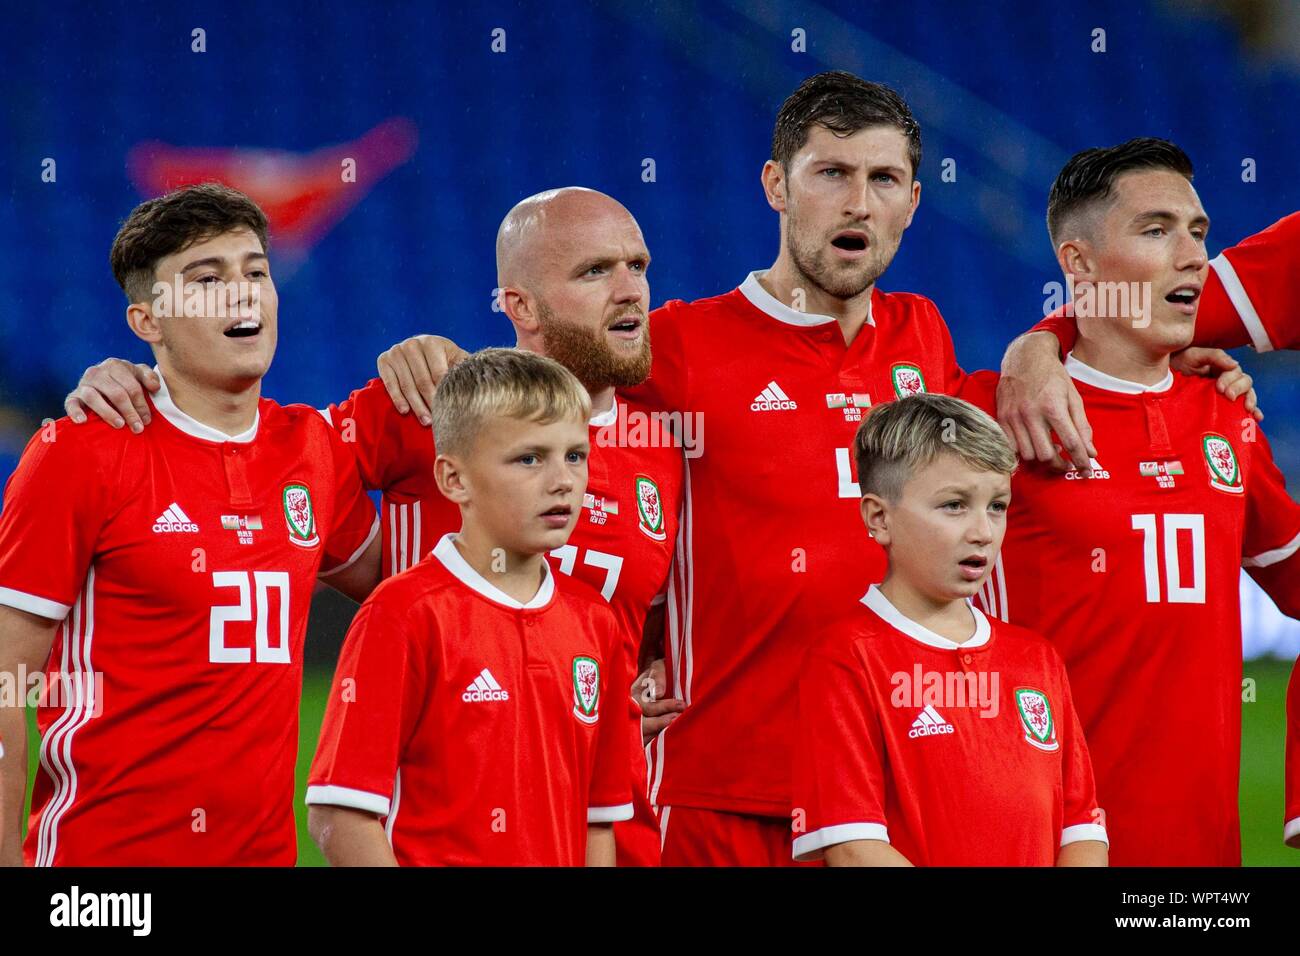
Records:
x=605, y=418
x=454, y=561
x=162, y=400
x=1091, y=376
x=764, y=301
x=884, y=608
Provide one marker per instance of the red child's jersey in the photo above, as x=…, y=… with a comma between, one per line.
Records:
x=1133, y=574
x=769, y=547
x=965, y=754
x=621, y=546
x=484, y=731
x=1247, y=299
x=181, y=563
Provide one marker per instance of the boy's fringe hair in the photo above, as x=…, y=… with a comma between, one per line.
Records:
x=508, y=383
x=898, y=438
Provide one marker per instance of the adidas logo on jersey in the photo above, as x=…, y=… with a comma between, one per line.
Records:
x=484, y=687
x=1097, y=472
x=928, y=723
x=173, y=520
x=772, y=399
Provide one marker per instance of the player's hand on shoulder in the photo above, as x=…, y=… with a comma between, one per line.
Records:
x=1233, y=380
x=412, y=369
x=1036, y=397
x=657, y=711
x=114, y=391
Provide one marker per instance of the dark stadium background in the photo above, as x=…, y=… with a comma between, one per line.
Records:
x=448, y=134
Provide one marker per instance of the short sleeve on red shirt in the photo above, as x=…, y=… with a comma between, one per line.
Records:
x=835, y=706
x=375, y=695
x=355, y=521
x=382, y=440
x=1271, y=540
x=1248, y=298
x=55, y=504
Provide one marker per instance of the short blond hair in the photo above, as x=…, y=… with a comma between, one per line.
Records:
x=504, y=383
x=898, y=438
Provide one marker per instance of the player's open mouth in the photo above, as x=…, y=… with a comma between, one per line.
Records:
x=972, y=568
x=246, y=328
x=1184, y=297
x=627, y=328
x=851, y=243
x=557, y=517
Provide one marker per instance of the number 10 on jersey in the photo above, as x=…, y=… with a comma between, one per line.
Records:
x=1165, y=538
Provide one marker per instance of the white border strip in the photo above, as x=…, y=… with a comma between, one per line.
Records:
x=1084, y=831
x=41, y=607
x=374, y=530
x=609, y=814
x=1274, y=556
x=811, y=846
x=331, y=795
x=1241, y=302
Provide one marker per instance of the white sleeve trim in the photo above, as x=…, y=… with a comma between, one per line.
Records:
x=1291, y=833
x=609, y=814
x=347, y=797
x=325, y=414
x=32, y=604
x=1084, y=831
x=1241, y=302
x=374, y=530
x=811, y=846
x=1274, y=556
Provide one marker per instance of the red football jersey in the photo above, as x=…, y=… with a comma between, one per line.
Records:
x=963, y=754
x=621, y=546
x=181, y=563
x=1246, y=299
x=770, y=543
x=478, y=727
x=1133, y=574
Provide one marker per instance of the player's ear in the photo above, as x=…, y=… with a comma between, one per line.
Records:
x=875, y=515
x=145, y=325
x=916, y=201
x=774, y=184
x=1077, y=258
x=521, y=309
x=450, y=477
